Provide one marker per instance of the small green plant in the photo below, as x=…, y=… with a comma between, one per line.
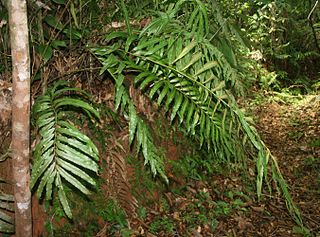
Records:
x=302, y=231
x=114, y=215
x=165, y=224
x=312, y=163
x=164, y=205
x=200, y=212
x=142, y=212
x=315, y=143
x=222, y=208
x=268, y=80
x=143, y=183
x=88, y=215
x=194, y=167
x=296, y=135
x=236, y=202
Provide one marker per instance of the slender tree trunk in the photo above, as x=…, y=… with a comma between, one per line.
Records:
x=20, y=115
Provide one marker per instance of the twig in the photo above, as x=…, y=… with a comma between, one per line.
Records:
x=311, y=25
x=312, y=10
x=6, y=155
x=75, y=72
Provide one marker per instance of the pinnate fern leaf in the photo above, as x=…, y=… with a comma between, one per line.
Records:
x=194, y=78
x=6, y=221
x=63, y=153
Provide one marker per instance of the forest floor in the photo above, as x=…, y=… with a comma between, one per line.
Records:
x=224, y=204
x=292, y=133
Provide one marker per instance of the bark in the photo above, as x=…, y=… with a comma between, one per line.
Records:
x=20, y=115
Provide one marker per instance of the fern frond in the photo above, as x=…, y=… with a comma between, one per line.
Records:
x=6, y=221
x=193, y=78
x=63, y=151
x=191, y=85
x=118, y=181
x=139, y=130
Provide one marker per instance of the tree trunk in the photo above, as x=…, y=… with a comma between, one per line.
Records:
x=20, y=115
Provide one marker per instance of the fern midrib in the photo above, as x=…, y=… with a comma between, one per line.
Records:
x=197, y=106
x=55, y=134
x=185, y=75
x=185, y=94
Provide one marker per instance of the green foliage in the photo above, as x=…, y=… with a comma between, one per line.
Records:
x=187, y=80
x=268, y=80
x=195, y=167
x=142, y=213
x=143, y=184
x=286, y=37
x=283, y=33
x=186, y=60
x=193, y=78
x=222, y=208
x=312, y=163
x=45, y=51
x=6, y=221
x=165, y=225
x=63, y=153
x=5, y=59
x=116, y=217
x=301, y=231
x=236, y=202
x=138, y=129
x=113, y=214
x=89, y=216
x=56, y=213
x=6, y=204
x=200, y=212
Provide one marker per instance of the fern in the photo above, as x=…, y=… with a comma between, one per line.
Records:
x=63, y=152
x=138, y=129
x=6, y=221
x=6, y=205
x=191, y=77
